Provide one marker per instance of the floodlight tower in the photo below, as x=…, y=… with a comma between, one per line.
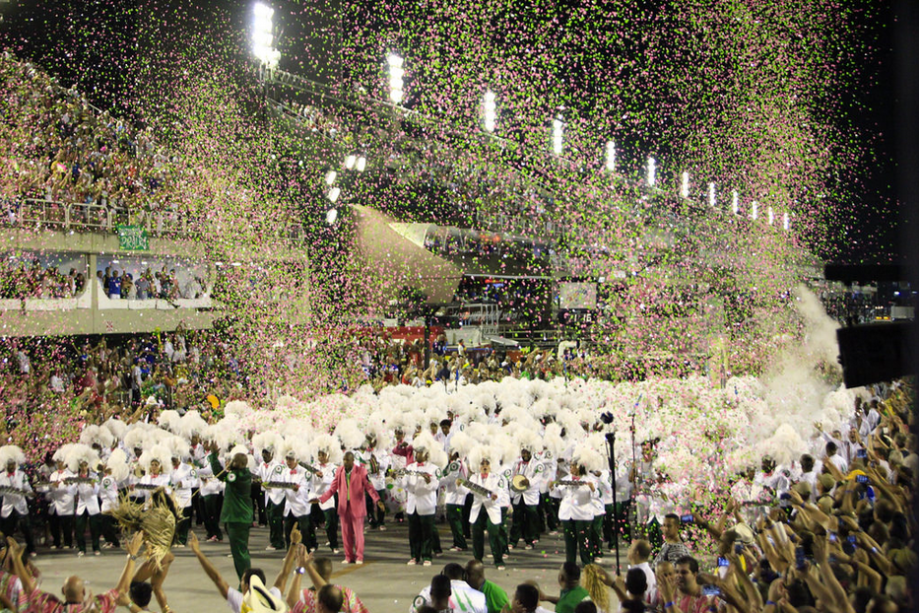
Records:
x=611, y=156
x=557, y=131
x=712, y=200
x=263, y=35
x=395, y=78
x=491, y=111
x=684, y=185
x=652, y=171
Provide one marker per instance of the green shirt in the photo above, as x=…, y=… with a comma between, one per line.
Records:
x=237, y=498
x=569, y=599
x=495, y=597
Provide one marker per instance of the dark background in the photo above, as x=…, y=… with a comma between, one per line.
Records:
x=104, y=49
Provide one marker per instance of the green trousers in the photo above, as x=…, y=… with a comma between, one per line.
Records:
x=238, y=533
x=577, y=540
x=455, y=519
x=495, y=539
x=183, y=526
x=421, y=536
x=95, y=529
x=596, y=537
x=305, y=525
x=620, y=520
x=212, y=516
x=277, y=535
x=525, y=523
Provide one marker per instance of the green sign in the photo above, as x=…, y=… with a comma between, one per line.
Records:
x=133, y=238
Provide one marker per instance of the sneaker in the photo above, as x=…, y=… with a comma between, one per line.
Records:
x=501, y=567
x=426, y=563
x=270, y=548
x=510, y=546
x=328, y=544
x=53, y=547
x=335, y=551
x=97, y=553
x=598, y=560
x=212, y=539
x=382, y=528
x=80, y=554
x=345, y=561
x=107, y=545
x=411, y=562
x=33, y=555
x=553, y=533
x=359, y=562
x=528, y=546
x=179, y=546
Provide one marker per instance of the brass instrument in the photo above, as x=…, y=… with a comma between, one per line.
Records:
x=9, y=489
x=571, y=482
x=475, y=488
x=279, y=485
x=310, y=468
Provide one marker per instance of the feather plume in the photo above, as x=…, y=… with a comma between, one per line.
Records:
x=79, y=453
x=11, y=453
x=118, y=462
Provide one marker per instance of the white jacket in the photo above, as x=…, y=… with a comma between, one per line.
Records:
x=271, y=471
x=296, y=502
x=577, y=501
x=384, y=460
x=108, y=492
x=60, y=497
x=320, y=485
x=14, y=502
x=493, y=483
x=87, y=496
x=453, y=493
x=183, y=479
x=534, y=471
x=422, y=496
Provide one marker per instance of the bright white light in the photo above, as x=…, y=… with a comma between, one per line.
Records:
x=786, y=224
x=334, y=193
x=684, y=185
x=771, y=216
x=263, y=11
x=753, y=210
x=330, y=177
x=350, y=161
x=263, y=37
x=557, y=130
x=361, y=164
x=735, y=205
x=331, y=216
x=652, y=172
x=490, y=108
x=611, y=156
x=236, y=264
x=712, y=201
x=395, y=78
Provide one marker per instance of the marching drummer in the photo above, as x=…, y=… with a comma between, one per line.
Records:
x=576, y=511
x=485, y=486
x=525, y=484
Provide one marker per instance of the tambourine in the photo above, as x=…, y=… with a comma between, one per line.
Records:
x=520, y=484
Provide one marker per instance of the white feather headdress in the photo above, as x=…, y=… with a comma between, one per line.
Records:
x=11, y=453
x=75, y=455
x=156, y=452
x=118, y=462
x=97, y=435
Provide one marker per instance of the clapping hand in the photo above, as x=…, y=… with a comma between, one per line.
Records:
x=136, y=542
x=193, y=542
x=295, y=536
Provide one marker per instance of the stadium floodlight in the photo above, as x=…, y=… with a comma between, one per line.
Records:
x=331, y=216
x=334, y=193
x=786, y=223
x=330, y=177
x=684, y=185
x=263, y=35
x=361, y=164
x=557, y=131
x=771, y=216
x=611, y=156
x=754, y=210
x=712, y=201
x=395, y=78
x=652, y=171
x=735, y=205
x=350, y=161
x=491, y=109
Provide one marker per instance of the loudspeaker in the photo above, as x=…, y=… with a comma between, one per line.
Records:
x=872, y=353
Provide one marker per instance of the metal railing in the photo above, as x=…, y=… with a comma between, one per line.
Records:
x=93, y=217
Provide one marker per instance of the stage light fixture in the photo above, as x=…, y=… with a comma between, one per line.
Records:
x=735, y=205
x=611, y=156
x=771, y=216
x=754, y=210
x=330, y=177
x=490, y=108
x=350, y=161
x=652, y=171
x=331, y=216
x=786, y=222
x=334, y=193
x=361, y=164
x=684, y=185
x=557, y=131
x=712, y=200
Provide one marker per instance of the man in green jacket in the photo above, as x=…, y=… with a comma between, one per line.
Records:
x=572, y=592
x=237, y=506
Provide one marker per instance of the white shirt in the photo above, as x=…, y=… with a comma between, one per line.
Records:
x=183, y=479
x=649, y=575
x=320, y=485
x=296, y=500
x=534, y=471
x=57, y=384
x=87, y=497
x=383, y=460
x=577, y=501
x=271, y=471
x=463, y=598
x=235, y=598
x=108, y=492
x=14, y=502
x=492, y=482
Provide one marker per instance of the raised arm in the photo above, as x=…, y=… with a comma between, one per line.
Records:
x=133, y=548
x=295, y=542
x=15, y=552
x=209, y=569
